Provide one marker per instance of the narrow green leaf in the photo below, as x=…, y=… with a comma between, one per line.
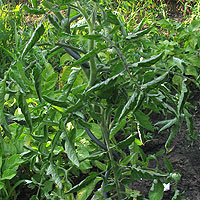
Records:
x=72, y=78
x=94, y=37
x=83, y=183
x=112, y=18
x=24, y=108
x=54, y=22
x=138, y=173
x=34, y=3
x=55, y=176
x=54, y=143
x=172, y=135
x=143, y=120
x=75, y=107
x=129, y=104
x=87, y=56
x=148, y=62
x=182, y=97
x=1, y=185
x=34, y=11
x=56, y=102
x=140, y=25
x=0, y=160
x=156, y=191
x=155, y=81
x=69, y=150
x=54, y=8
x=168, y=164
x=179, y=63
x=104, y=84
x=189, y=121
x=37, y=80
x=125, y=143
x=3, y=122
x=39, y=31
x=138, y=34
x=9, y=52
x=16, y=76
x=117, y=127
x=167, y=124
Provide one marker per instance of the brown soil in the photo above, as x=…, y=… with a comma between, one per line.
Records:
x=185, y=159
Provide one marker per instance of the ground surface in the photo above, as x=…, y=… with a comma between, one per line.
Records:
x=185, y=159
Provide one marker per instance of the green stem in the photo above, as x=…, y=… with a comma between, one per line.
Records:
x=91, y=44
x=93, y=68
x=105, y=134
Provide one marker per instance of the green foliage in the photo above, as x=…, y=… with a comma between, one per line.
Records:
x=78, y=115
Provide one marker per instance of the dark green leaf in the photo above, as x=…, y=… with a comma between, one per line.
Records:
x=34, y=3
x=83, y=183
x=189, y=121
x=138, y=34
x=117, y=127
x=54, y=22
x=112, y=18
x=69, y=150
x=3, y=122
x=172, y=135
x=125, y=143
x=75, y=107
x=37, y=80
x=155, y=81
x=167, y=124
x=54, y=143
x=55, y=176
x=94, y=37
x=182, y=97
x=156, y=191
x=85, y=192
x=104, y=84
x=148, y=62
x=34, y=11
x=15, y=75
x=39, y=31
x=87, y=56
x=138, y=173
x=168, y=164
x=24, y=108
x=128, y=107
x=8, y=174
x=55, y=102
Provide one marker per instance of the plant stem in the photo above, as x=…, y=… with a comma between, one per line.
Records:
x=93, y=69
x=113, y=163
x=91, y=44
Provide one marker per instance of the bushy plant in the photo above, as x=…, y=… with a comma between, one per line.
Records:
x=79, y=94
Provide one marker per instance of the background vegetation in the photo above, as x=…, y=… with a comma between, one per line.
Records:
x=85, y=85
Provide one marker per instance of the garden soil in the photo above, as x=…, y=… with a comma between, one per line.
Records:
x=184, y=157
